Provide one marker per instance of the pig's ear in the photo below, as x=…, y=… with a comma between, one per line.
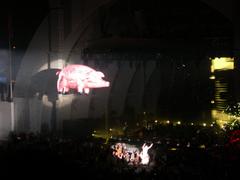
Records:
x=100, y=74
x=57, y=73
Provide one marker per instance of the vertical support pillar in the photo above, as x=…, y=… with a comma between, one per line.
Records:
x=236, y=26
x=55, y=55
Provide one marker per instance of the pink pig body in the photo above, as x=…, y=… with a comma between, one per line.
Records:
x=81, y=78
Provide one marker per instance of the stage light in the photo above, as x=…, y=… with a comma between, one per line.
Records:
x=212, y=77
x=221, y=118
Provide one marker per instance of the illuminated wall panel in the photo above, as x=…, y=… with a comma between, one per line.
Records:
x=222, y=63
x=221, y=69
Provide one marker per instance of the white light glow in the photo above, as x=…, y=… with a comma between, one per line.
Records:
x=212, y=77
x=54, y=64
x=220, y=117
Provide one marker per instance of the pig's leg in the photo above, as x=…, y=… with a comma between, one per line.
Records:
x=86, y=90
x=80, y=87
x=65, y=90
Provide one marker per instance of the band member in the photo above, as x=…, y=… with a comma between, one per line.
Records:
x=144, y=154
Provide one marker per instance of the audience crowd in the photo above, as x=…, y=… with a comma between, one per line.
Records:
x=196, y=153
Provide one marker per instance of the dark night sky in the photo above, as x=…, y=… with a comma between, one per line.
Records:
x=26, y=17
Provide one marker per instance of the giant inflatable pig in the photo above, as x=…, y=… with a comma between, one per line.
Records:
x=81, y=78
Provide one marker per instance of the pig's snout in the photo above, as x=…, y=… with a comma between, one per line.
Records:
x=107, y=84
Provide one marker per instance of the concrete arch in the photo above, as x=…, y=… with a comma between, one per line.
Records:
x=35, y=57
x=99, y=101
x=224, y=7
x=120, y=88
x=152, y=90
x=136, y=90
x=159, y=85
x=75, y=36
x=167, y=74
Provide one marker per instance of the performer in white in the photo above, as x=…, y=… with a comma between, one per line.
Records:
x=144, y=154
